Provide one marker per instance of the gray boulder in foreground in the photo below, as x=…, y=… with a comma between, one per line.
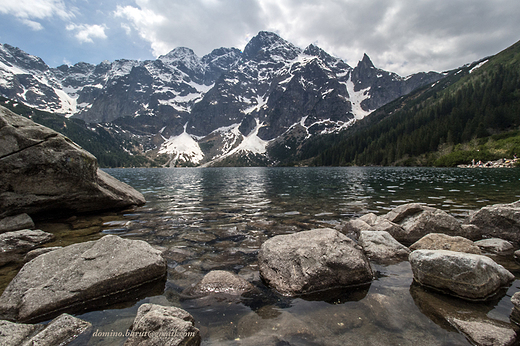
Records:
x=418, y=220
x=16, y=223
x=80, y=276
x=60, y=331
x=14, y=245
x=313, y=260
x=156, y=325
x=464, y=275
x=380, y=246
x=498, y=221
x=42, y=171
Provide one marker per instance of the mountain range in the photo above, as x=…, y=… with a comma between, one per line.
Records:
x=259, y=106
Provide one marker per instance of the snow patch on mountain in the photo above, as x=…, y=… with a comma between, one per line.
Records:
x=182, y=147
x=356, y=97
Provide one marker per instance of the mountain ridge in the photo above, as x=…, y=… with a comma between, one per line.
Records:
x=273, y=91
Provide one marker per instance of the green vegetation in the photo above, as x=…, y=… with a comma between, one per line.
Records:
x=464, y=116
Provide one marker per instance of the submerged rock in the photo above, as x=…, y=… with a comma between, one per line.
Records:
x=464, y=275
x=220, y=282
x=496, y=246
x=16, y=223
x=14, y=245
x=380, y=246
x=42, y=172
x=418, y=220
x=80, y=276
x=156, y=325
x=60, y=331
x=483, y=333
x=498, y=221
x=312, y=260
x=439, y=241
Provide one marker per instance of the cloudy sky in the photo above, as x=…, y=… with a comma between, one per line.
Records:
x=403, y=36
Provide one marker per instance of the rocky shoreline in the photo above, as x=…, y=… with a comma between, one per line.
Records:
x=446, y=256
x=502, y=163
x=452, y=262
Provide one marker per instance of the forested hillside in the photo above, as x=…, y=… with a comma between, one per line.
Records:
x=460, y=118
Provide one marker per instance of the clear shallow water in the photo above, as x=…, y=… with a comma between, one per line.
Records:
x=217, y=218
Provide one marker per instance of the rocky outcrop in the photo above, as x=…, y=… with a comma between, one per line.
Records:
x=313, y=260
x=80, y=276
x=41, y=171
x=439, y=241
x=498, y=221
x=496, y=246
x=380, y=246
x=157, y=325
x=14, y=245
x=515, y=313
x=220, y=282
x=60, y=331
x=16, y=223
x=418, y=220
x=37, y=252
x=468, y=276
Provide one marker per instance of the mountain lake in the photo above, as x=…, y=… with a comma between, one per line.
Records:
x=217, y=218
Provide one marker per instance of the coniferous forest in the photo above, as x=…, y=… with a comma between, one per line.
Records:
x=463, y=117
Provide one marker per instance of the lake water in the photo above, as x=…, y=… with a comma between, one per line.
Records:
x=217, y=218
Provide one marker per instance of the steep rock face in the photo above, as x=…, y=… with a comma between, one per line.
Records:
x=42, y=171
x=280, y=93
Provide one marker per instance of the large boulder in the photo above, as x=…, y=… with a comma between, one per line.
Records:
x=60, y=331
x=42, y=171
x=461, y=274
x=80, y=276
x=380, y=246
x=14, y=245
x=157, y=325
x=439, y=241
x=418, y=220
x=312, y=260
x=498, y=221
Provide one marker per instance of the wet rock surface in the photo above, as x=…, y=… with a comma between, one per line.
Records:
x=498, y=221
x=43, y=172
x=78, y=276
x=312, y=260
x=465, y=275
x=60, y=331
x=486, y=333
x=439, y=241
x=157, y=325
x=16, y=223
x=382, y=247
x=220, y=282
x=14, y=245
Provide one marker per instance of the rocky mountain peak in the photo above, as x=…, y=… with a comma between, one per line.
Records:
x=365, y=62
x=269, y=46
x=14, y=56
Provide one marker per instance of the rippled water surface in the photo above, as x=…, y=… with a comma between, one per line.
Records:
x=217, y=218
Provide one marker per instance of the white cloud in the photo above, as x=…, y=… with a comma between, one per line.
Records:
x=405, y=36
x=28, y=10
x=86, y=33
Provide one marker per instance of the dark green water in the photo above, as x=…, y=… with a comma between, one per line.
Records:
x=217, y=218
